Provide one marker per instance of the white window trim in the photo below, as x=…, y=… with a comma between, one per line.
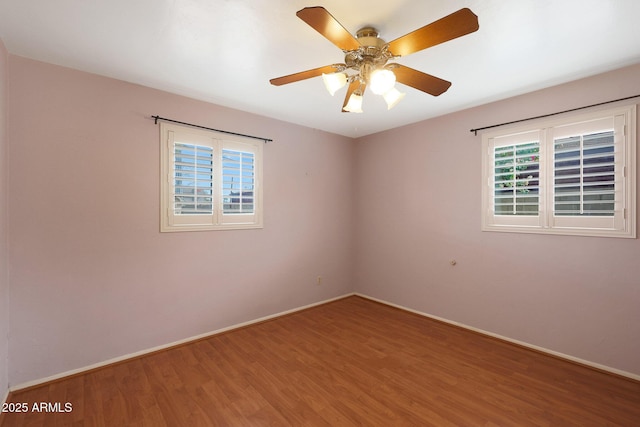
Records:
x=546, y=222
x=169, y=222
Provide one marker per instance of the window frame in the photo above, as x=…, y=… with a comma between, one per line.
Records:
x=623, y=221
x=219, y=142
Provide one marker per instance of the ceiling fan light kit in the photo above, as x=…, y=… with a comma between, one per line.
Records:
x=367, y=56
x=392, y=97
x=334, y=82
x=382, y=81
x=354, y=105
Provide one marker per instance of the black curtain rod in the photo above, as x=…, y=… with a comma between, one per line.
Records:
x=156, y=118
x=475, y=131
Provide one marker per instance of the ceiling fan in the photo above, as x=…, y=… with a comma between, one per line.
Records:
x=366, y=61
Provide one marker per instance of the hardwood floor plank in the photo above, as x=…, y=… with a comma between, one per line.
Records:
x=346, y=363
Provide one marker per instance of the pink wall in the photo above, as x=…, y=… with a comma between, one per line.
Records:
x=4, y=283
x=92, y=278
x=418, y=207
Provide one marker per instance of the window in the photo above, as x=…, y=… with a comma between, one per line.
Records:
x=569, y=176
x=209, y=180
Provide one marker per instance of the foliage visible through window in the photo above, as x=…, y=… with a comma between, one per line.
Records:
x=567, y=176
x=517, y=172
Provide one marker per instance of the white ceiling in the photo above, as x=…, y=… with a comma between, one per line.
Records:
x=225, y=51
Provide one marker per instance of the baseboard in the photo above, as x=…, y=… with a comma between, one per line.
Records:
x=141, y=353
x=553, y=353
x=62, y=375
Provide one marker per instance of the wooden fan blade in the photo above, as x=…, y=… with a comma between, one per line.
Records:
x=303, y=75
x=323, y=22
x=448, y=28
x=355, y=84
x=419, y=80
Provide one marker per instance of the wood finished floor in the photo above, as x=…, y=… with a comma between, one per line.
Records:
x=352, y=362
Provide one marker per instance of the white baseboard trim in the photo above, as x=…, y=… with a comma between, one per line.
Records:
x=511, y=340
x=6, y=396
x=284, y=313
x=166, y=346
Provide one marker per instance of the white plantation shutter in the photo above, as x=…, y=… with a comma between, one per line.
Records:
x=188, y=176
x=514, y=179
x=208, y=182
x=566, y=177
x=584, y=175
x=517, y=179
x=588, y=174
x=240, y=194
x=192, y=179
x=238, y=182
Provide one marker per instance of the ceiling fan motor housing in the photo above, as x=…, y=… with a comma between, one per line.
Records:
x=368, y=36
x=371, y=54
